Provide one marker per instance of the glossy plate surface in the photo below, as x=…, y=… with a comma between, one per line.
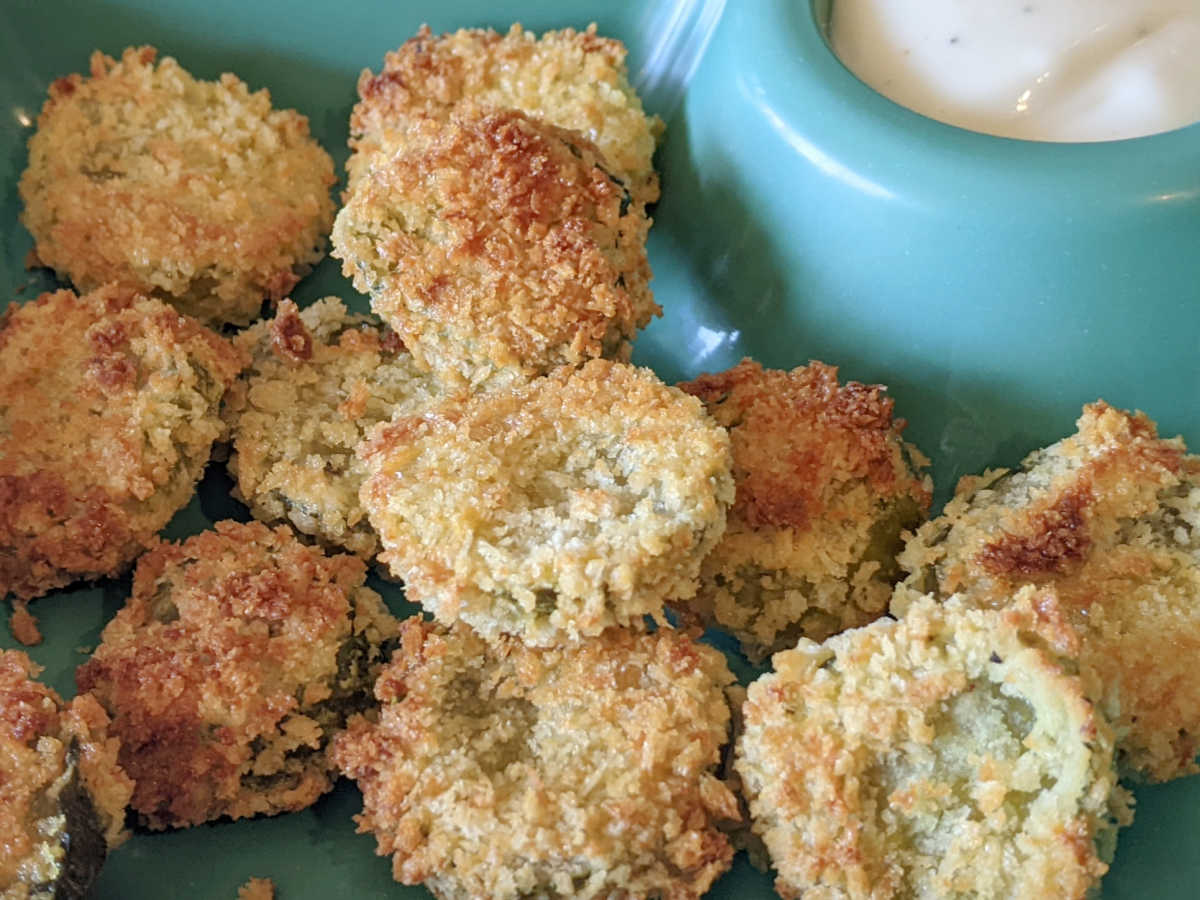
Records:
x=996, y=286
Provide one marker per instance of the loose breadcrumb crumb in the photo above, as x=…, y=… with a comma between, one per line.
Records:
x=500, y=770
x=257, y=889
x=825, y=489
x=1109, y=516
x=197, y=192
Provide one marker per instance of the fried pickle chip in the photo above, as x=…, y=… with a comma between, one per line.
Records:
x=197, y=192
x=239, y=654
x=319, y=379
x=108, y=412
x=492, y=242
x=573, y=79
x=948, y=754
x=554, y=509
x=825, y=488
x=62, y=807
x=1111, y=517
x=500, y=770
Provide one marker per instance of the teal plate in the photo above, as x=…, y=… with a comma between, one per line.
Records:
x=996, y=286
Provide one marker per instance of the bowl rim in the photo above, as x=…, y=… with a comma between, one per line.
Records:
x=855, y=134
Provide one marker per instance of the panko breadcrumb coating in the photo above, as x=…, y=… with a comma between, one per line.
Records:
x=239, y=654
x=493, y=242
x=1111, y=517
x=573, y=79
x=319, y=378
x=945, y=755
x=554, y=509
x=195, y=191
x=108, y=412
x=62, y=807
x=499, y=770
x=825, y=488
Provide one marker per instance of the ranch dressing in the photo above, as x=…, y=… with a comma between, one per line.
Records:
x=1042, y=70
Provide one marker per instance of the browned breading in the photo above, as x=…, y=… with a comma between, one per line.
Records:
x=63, y=800
x=237, y=656
x=825, y=488
x=493, y=242
x=197, y=192
x=108, y=413
x=1111, y=517
x=949, y=754
x=319, y=379
x=498, y=770
x=573, y=79
x=554, y=509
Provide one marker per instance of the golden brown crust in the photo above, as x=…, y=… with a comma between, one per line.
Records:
x=41, y=741
x=238, y=654
x=197, y=192
x=498, y=770
x=553, y=509
x=319, y=379
x=572, y=79
x=948, y=754
x=493, y=242
x=825, y=488
x=1111, y=517
x=108, y=412
x=1057, y=540
x=798, y=437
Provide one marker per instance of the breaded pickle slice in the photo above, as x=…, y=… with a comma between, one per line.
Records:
x=239, y=654
x=319, y=379
x=62, y=807
x=945, y=755
x=553, y=509
x=825, y=488
x=573, y=79
x=492, y=242
x=195, y=191
x=500, y=770
x=1109, y=516
x=108, y=412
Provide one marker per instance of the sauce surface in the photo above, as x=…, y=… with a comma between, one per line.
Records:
x=1043, y=70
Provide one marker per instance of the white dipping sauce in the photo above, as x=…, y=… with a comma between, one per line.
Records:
x=1042, y=70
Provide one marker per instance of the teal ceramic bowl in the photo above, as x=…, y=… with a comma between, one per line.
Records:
x=995, y=285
